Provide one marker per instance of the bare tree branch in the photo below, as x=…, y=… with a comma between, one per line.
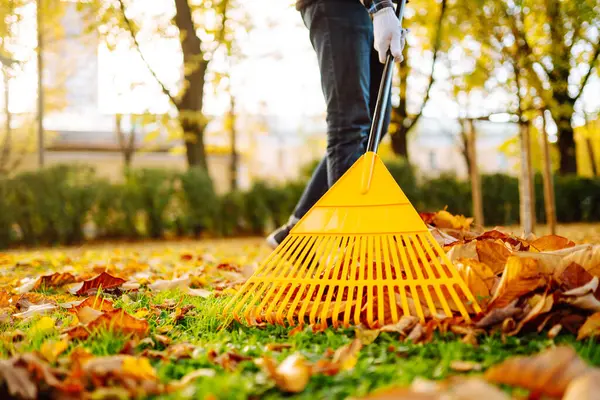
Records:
x=436, y=46
x=589, y=73
x=132, y=32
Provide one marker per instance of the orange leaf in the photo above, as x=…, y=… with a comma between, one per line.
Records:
x=292, y=375
x=521, y=276
x=100, y=304
x=493, y=254
x=55, y=280
x=541, y=304
x=590, y=328
x=103, y=281
x=573, y=276
x=7, y=299
x=116, y=320
x=548, y=373
x=551, y=243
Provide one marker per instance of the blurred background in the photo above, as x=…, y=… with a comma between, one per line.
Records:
x=131, y=118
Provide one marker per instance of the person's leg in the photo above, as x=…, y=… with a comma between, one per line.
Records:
x=342, y=35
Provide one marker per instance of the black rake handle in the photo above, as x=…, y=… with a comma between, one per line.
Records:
x=384, y=92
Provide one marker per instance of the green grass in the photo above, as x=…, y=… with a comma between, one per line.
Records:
x=378, y=365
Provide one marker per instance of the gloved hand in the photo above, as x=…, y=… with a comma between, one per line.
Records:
x=388, y=34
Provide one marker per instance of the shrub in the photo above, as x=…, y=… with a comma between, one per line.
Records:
x=231, y=214
x=154, y=188
x=256, y=208
x=500, y=195
x=6, y=215
x=199, y=202
x=446, y=191
x=51, y=206
x=116, y=211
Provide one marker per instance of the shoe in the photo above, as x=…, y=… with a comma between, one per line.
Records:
x=279, y=235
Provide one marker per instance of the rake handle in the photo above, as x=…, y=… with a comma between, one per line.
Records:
x=384, y=92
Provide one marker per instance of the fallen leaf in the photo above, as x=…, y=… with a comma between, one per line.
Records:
x=18, y=381
x=403, y=326
x=7, y=299
x=161, y=284
x=573, y=276
x=187, y=379
x=116, y=320
x=588, y=256
x=548, y=373
x=228, y=360
x=465, y=366
x=292, y=375
x=521, y=276
x=497, y=315
x=540, y=304
x=586, y=387
x=55, y=280
x=278, y=346
x=590, y=328
x=415, y=334
x=443, y=219
x=465, y=250
x=479, y=278
x=38, y=309
x=97, y=303
x=103, y=281
x=492, y=254
x=87, y=314
x=51, y=349
x=551, y=243
x=198, y=292
x=554, y=331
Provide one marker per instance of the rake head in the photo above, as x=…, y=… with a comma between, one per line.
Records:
x=356, y=258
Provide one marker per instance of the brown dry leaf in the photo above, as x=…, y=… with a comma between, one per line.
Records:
x=87, y=314
x=133, y=373
x=465, y=366
x=416, y=334
x=187, y=379
x=228, y=360
x=278, y=346
x=7, y=299
x=199, y=292
x=548, y=373
x=586, y=387
x=292, y=375
x=590, y=328
x=479, y=278
x=454, y=388
x=55, y=280
x=162, y=284
x=103, y=281
x=540, y=304
x=464, y=250
x=100, y=304
x=343, y=359
x=551, y=243
x=497, y=315
x=573, y=276
x=18, y=381
x=588, y=256
x=521, y=276
x=36, y=309
x=554, y=331
x=492, y=254
x=584, y=297
x=117, y=320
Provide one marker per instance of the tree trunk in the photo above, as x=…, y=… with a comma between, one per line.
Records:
x=464, y=145
x=233, y=167
x=7, y=144
x=590, y=147
x=474, y=172
x=400, y=143
x=190, y=106
x=525, y=184
x=566, y=144
x=400, y=115
x=40, y=84
x=549, y=200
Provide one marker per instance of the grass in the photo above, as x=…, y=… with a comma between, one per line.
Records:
x=387, y=361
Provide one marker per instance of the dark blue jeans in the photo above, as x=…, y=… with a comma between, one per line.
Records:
x=341, y=32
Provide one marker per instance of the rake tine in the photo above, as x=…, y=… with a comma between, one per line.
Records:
x=421, y=277
x=435, y=284
x=353, y=272
x=411, y=278
x=359, y=278
x=388, y=270
x=321, y=267
x=251, y=311
x=331, y=280
x=308, y=275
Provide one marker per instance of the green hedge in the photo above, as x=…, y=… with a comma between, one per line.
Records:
x=60, y=204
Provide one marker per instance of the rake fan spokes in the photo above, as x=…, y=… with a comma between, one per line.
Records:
x=348, y=280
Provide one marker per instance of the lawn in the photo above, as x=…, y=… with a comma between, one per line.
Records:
x=173, y=341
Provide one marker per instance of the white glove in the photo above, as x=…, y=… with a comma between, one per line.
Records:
x=388, y=34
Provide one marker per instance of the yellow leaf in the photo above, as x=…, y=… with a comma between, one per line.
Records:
x=521, y=276
x=590, y=328
x=51, y=349
x=139, y=367
x=44, y=325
